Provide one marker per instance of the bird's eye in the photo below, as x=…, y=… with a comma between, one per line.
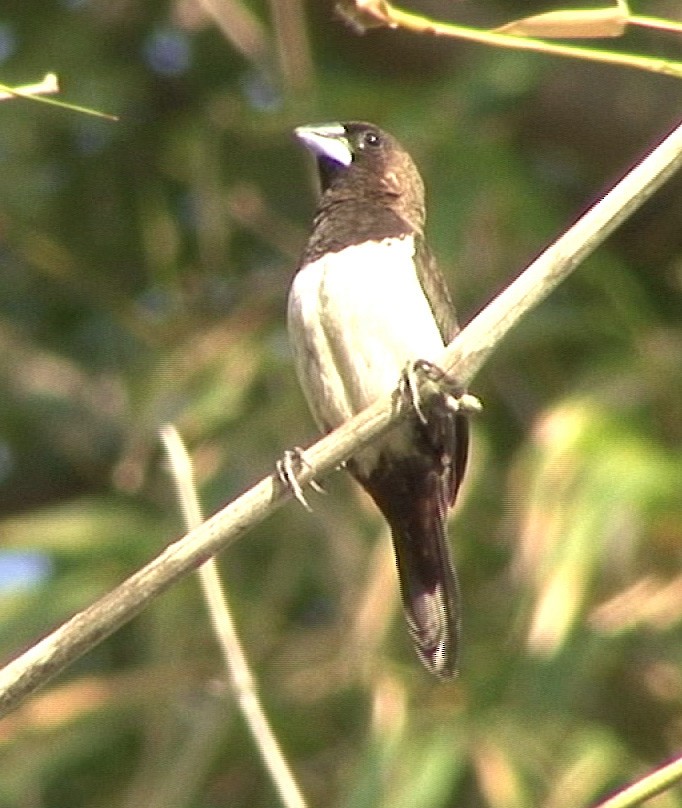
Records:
x=371, y=139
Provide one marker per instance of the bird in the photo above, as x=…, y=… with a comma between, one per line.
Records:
x=367, y=303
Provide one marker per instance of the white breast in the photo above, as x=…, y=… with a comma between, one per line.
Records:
x=356, y=318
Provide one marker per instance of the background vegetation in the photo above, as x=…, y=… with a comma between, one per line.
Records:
x=144, y=267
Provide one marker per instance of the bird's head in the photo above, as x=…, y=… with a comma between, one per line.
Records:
x=360, y=163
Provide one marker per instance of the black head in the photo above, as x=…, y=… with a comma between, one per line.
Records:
x=360, y=165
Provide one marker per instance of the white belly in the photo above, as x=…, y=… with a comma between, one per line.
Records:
x=356, y=318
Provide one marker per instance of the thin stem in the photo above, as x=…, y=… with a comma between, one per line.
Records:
x=392, y=17
x=241, y=678
x=646, y=788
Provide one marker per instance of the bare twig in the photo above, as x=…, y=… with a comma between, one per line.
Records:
x=48, y=86
x=561, y=258
x=655, y=783
x=462, y=358
x=371, y=13
x=236, y=663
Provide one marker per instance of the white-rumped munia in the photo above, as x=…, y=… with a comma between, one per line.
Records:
x=367, y=302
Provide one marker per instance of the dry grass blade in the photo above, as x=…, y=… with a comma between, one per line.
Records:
x=49, y=84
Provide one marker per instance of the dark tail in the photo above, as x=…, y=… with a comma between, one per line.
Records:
x=413, y=499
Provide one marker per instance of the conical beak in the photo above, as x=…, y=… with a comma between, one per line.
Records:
x=327, y=140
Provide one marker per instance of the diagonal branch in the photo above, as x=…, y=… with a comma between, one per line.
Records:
x=463, y=358
x=656, y=782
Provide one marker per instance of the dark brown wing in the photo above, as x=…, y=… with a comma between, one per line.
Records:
x=449, y=432
x=436, y=290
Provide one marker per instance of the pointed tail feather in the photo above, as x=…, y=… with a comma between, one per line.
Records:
x=429, y=588
x=414, y=501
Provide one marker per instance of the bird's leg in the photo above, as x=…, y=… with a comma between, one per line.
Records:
x=408, y=389
x=455, y=398
x=287, y=466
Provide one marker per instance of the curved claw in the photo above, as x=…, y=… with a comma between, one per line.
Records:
x=287, y=466
x=455, y=397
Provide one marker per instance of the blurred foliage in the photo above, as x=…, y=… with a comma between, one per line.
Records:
x=144, y=268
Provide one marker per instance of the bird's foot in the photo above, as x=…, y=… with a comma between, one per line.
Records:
x=454, y=396
x=287, y=466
